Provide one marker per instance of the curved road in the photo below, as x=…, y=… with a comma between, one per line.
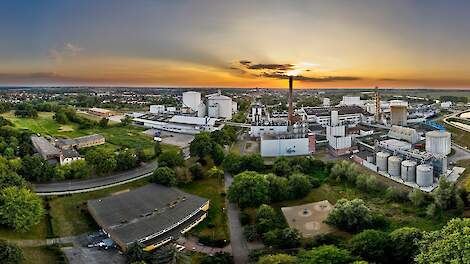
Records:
x=80, y=186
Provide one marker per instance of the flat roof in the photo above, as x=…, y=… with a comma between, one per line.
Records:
x=143, y=212
x=44, y=147
x=193, y=120
x=342, y=110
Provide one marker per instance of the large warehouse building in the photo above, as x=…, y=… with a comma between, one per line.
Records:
x=152, y=215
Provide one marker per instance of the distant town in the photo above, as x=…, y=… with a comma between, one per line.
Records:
x=116, y=175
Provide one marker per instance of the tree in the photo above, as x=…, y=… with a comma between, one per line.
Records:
x=249, y=189
x=126, y=159
x=279, y=188
x=196, y=170
x=232, y=163
x=445, y=195
x=60, y=117
x=217, y=154
x=76, y=170
x=201, y=146
x=266, y=219
x=372, y=245
x=10, y=253
x=35, y=168
x=278, y=259
x=417, y=197
x=127, y=120
x=281, y=167
x=170, y=158
x=299, y=185
x=448, y=245
x=135, y=253
x=8, y=177
x=404, y=242
x=164, y=176
x=104, y=122
x=252, y=162
x=157, y=149
x=282, y=238
x=327, y=254
x=20, y=208
x=103, y=160
x=218, y=258
x=344, y=170
x=351, y=216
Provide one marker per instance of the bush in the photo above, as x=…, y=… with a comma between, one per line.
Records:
x=404, y=242
x=325, y=254
x=352, y=216
x=209, y=241
x=196, y=171
x=250, y=233
x=266, y=219
x=218, y=258
x=278, y=259
x=170, y=158
x=372, y=245
x=10, y=253
x=299, y=186
x=282, y=238
x=326, y=239
x=164, y=176
x=244, y=218
x=417, y=197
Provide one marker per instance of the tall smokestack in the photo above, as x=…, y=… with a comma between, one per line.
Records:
x=291, y=110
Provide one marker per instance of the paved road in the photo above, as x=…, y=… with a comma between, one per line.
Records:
x=460, y=154
x=238, y=242
x=79, y=186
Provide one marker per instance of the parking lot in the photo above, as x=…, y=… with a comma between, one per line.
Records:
x=176, y=139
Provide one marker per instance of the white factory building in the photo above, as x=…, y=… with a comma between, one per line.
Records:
x=179, y=123
x=404, y=133
x=352, y=100
x=338, y=142
x=398, y=112
x=347, y=115
x=284, y=145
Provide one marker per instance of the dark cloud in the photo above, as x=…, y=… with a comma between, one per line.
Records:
x=245, y=62
x=311, y=79
x=278, y=67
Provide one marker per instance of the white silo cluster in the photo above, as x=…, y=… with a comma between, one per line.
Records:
x=438, y=142
x=407, y=170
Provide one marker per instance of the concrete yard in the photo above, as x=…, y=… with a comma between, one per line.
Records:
x=170, y=138
x=308, y=218
x=83, y=255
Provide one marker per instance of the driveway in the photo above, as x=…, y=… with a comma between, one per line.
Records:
x=80, y=186
x=238, y=242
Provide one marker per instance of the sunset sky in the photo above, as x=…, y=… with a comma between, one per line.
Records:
x=243, y=43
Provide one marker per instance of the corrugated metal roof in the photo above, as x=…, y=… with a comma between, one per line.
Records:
x=193, y=120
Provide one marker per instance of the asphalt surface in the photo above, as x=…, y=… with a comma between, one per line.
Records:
x=238, y=242
x=78, y=186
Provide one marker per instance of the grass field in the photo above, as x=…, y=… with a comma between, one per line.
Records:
x=39, y=255
x=69, y=213
x=129, y=136
x=216, y=223
x=38, y=231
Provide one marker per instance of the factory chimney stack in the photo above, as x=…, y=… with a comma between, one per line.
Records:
x=291, y=110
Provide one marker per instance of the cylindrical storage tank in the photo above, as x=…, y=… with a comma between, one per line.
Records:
x=394, y=166
x=438, y=142
x=192, y=100
x=201, y=110
x=382, y=160
x=371, y=159
x=424, y=175
x=408, y=170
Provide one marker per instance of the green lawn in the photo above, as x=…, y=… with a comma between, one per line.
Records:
x=38, y=231
x=39, y=255
x=129, y=136
x=211, y=189
x=69, y=213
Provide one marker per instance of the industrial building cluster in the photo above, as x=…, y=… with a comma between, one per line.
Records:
x=393, y=138
x=195, y=115
x=64, y=150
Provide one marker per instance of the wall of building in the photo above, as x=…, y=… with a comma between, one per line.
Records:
x=284, y=147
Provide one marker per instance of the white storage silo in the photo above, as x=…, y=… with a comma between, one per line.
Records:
x=192, y=100
x=424, y=175
x=201, y=110
x=408, y=170
x=438, y=142
x=398, y=112
x=213, y=110
x=394, y=166
x=223, y=103
x=382, y=160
